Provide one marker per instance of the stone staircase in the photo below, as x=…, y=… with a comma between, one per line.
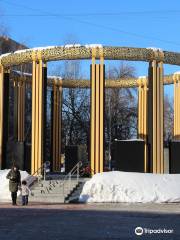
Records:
x=56, y=190
x=74, y=196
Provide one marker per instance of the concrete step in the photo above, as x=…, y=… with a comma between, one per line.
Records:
x=58, y=177
x=55, y=185
x=42, y=193
x=50, y=195
x=46, y=200
x=74, y=196
x=46, y=184
x=55, y=196
x=36, y=193
x=76, y=193
x=53, y=189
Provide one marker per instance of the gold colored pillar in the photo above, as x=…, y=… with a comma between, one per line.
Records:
x=38, y=101
x=56, y=128
x=97, y=114
x=1, y=113
x=155, y=116
x=4, y=114
x=142, y=116
x=176, y=78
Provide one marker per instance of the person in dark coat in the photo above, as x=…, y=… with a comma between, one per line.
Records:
x=14, y=177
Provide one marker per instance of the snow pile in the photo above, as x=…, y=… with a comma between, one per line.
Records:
x=54, y=77
x=48, y=47
x=131, y=187
x=155, y=49
x=142, y=77
x=34, y=49
x=93, y=45
x=52, y=47
x=129, y=140
x=86, y=46
x=22, y=73
x=4, y=55
x=71, y=45
x=4, y=184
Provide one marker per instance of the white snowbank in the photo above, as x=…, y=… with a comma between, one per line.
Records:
x=131, y=187
x=48, y=47
x=4, y=55
x=55, y=77
x=34, y=49
x=142, y=77
x=22, y=73
x=4, y=184
x=93, y=45
x=71, y=45
x=155, y=49
x=51, y=47
x=129, y=140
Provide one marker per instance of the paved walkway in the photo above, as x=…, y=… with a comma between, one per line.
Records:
x=89, y=221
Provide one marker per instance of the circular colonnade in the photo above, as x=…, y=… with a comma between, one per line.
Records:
x=150, y=98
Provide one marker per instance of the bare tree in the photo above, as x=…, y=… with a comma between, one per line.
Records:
x=168, y=118
x=76, y=108
x=76, y=103
x=121, y=105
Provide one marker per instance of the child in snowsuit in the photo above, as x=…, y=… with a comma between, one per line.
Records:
x=25, y=193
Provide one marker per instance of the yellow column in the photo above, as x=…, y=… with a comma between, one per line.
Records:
x=140, y=108
x=146, y=166
x=142, y=116
x=60, y=122
x=161, y=119
x=1, y=112
x=93, y=109
x=97, y=126
x=57, y=115
x=101, y=120
x=4, y=113
x=97, y=113
x=33, y=143
x=155, y=116
x=176, y=78
x=37, y=113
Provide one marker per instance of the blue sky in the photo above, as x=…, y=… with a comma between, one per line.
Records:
x=124, y=23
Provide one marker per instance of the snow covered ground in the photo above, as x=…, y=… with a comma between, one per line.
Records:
x=5, y=195
x=131, y=187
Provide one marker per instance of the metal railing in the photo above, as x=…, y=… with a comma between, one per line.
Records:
x=73, y=175
x=65, y=183
x=36, y=176
x=40, y=173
